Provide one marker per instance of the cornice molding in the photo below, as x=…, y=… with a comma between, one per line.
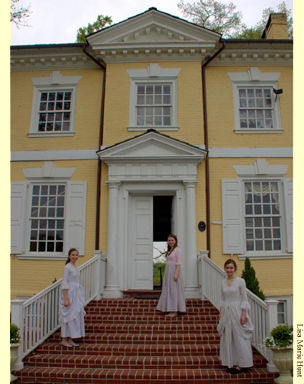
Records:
x=49, y=59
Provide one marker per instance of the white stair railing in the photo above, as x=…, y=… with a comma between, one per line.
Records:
x=37, y=317
x=263, y=319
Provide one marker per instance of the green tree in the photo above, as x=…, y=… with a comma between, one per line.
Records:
x=248, y=274
x=19, y=14
x=100, y=23
x=256, y=31
x=214, y=15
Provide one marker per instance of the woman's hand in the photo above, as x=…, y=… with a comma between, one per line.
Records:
x=175, y=277
x=66, y=303
x=243, y=319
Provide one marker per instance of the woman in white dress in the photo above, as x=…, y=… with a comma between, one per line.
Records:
x=71, y=303
x=235, y=327
x=172, y=299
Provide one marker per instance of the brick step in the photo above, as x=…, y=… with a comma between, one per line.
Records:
x=141, y=376
x=136, y=339
x=202, y=349
x=147, y=311
x=126, y=302
x=157, y=319
x=132, y=362
x=170, y=328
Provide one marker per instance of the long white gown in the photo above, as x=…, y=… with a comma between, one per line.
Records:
x=72, y=317
x=235, y=344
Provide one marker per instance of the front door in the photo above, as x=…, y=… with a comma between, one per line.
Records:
x=141, y=242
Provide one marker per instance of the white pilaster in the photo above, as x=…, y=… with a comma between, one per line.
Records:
x=190, y=254
x=112, y=288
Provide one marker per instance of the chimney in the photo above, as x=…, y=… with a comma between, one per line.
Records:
x=276, y=27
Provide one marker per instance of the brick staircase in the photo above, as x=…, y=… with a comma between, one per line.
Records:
x=128, y=341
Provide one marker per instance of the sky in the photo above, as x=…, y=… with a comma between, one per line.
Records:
x=57, y=21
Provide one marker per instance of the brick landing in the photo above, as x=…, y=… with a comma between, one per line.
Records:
x=127, y=341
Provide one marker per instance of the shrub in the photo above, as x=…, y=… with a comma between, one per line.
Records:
x=15, y=334
x=281, y=337
x=252, y=283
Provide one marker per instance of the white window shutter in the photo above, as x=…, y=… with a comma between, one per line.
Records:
x=288, y=200
x=76, y=216
x=232, y=217
x=18, y=205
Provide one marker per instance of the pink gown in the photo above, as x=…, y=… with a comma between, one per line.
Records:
x=172, y=298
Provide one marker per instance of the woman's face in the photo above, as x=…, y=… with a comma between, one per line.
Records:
x=230, y=269
x=73, y=256
x=171, y=241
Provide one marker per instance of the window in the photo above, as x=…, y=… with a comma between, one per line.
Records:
x=48, y=213
x=256, y=107
x=153, y=98
x=257, y=212
x=282, y=312
x=47, y=218
x=54, y=111
x=154, y=106
x=262, y=216
x=54, y=105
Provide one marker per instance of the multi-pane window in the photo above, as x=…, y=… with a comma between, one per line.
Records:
x=154, y=105
x=47, y=218
x=54, y=111
x=256, y=108
x=281, y=312
x=262, y=216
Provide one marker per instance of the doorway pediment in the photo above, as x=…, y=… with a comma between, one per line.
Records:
x=152, y=146
x=152, y=154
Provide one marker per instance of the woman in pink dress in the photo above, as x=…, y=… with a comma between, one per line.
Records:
x=172, y=299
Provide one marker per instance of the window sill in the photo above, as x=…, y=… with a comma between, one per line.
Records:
x=266, y=256
x=258, y=131
x=141, y=129
x=50, y=134
x=42, y=257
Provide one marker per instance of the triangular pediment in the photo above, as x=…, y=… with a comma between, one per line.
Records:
x=152, y=32
x=152, y=146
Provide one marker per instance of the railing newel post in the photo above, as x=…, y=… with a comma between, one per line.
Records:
x=97, y=278
x=203, y=254
x=17, y=318
x=271, y=322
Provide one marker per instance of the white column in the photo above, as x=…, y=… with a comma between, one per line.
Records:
x=112, y=288
x=190, y=253
x=272, y=322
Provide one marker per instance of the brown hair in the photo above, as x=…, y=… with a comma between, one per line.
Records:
x=230, y=261
x=168, y=246
x=70, y=251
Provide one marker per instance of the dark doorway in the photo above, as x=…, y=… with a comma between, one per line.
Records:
x=162, y=212
x=162, y=218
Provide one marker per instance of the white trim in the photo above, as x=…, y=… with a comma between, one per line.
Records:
x=55, y=82
x=47, y=171
x=261, y=168
x=90, y=154
x=250, y=152
x=244, y=131
x=154, y=73
x=67, y=154
x=51, y=134
x=157, y=128
x=265, y=257
x=253, y=74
